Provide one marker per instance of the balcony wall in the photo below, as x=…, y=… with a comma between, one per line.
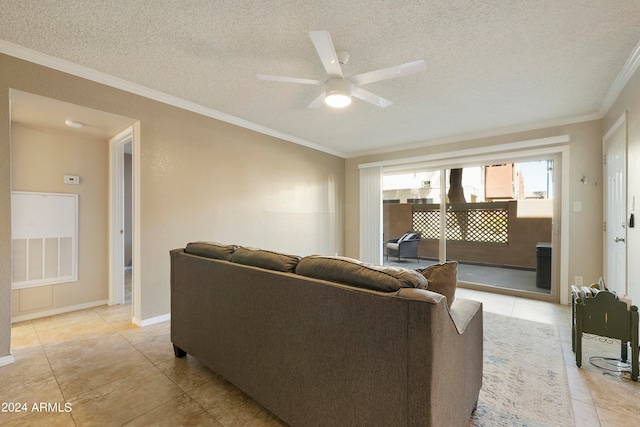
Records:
x=520, y=251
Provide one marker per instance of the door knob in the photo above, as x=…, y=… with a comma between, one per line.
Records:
x=619, y=239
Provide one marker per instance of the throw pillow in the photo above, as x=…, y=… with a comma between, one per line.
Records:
x=443, y=279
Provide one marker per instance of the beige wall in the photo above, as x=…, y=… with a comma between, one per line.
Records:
x=200, y=179
x=585, y=232
x=629, y=101
x=39, y=160
x=5, y=219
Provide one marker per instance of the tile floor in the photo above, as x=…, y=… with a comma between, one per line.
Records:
x=109, y=372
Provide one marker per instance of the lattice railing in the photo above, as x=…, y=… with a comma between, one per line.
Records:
x=469, y=222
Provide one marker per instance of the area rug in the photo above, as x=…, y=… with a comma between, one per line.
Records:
x=524, y=378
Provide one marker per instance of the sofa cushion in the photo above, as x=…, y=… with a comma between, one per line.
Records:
x=443, y=279
x=211, y=250
x=266, y=259
x=360, y=274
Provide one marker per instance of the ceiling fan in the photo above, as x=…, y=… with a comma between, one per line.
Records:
x=340, y=89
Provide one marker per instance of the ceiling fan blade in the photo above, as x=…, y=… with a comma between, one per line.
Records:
x=327, y=53
x=388, y=73
x=288, y=79
x=317, y=102
x=370, y=97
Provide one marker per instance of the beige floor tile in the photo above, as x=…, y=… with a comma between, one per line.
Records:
x=37, y=389
x=497, y=307
x=19, y=329
x=187, y=372
x=229, y=405
x=83, y=377
x=156, y=348
x=614, y=394
x=120, y=316
x=72, y=329
x=28, y=364
x=64, y=319
x=124, y=400
x=48, y=419
x=143, y=334
x=610, y=418
x=584, y=414
x=181, y=411
x=578, y=385
x=25, y=340
x=87, y=350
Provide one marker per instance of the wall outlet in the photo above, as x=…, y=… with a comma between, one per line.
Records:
x=71, y=179
x=578, y=280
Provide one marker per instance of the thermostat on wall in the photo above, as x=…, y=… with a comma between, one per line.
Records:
x=71, y=179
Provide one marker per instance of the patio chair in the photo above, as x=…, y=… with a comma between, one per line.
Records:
x=404, y=247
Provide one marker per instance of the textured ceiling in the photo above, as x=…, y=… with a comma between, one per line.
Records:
x=491, y=64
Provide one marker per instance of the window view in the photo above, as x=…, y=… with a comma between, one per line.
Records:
x=497, y=222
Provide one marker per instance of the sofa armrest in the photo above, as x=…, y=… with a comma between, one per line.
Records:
x=462, y=311
x=445, y=352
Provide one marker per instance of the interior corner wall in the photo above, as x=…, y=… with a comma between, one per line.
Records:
x=585, y=232
x=629, y=101
x=5, y=222
x=200, y=179
x=39, y=160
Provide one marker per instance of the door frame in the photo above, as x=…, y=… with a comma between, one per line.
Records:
x=621, y=123
x=556, y=145
x=116, y=218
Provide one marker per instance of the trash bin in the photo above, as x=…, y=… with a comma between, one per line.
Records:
x=543, y=269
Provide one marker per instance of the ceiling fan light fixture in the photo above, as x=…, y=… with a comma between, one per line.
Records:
x=338, y=93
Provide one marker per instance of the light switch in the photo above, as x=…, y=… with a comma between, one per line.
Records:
x=577, y=206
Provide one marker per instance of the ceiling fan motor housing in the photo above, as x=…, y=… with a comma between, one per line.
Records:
x=338, y=92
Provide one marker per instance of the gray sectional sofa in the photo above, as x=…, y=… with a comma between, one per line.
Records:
x=327, y=341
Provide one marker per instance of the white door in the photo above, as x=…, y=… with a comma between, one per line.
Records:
x=615, y=196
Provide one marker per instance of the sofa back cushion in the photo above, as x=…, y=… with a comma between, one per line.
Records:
x=211, y=250
x=356, y=273
x=443, y=279
x=265, y=259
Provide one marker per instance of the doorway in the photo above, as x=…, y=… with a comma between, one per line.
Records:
x=123, y=273
x=87, y=143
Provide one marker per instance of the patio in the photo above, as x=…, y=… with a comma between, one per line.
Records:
x=489, y=276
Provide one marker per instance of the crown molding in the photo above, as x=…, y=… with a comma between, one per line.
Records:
x=74, y=69
x=629, y=68
x=481, y=134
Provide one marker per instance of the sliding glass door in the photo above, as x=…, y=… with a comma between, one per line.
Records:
x=496, y=220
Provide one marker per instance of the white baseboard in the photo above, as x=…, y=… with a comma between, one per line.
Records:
x=58, y=311
x=6, y=360
x=152, y=321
